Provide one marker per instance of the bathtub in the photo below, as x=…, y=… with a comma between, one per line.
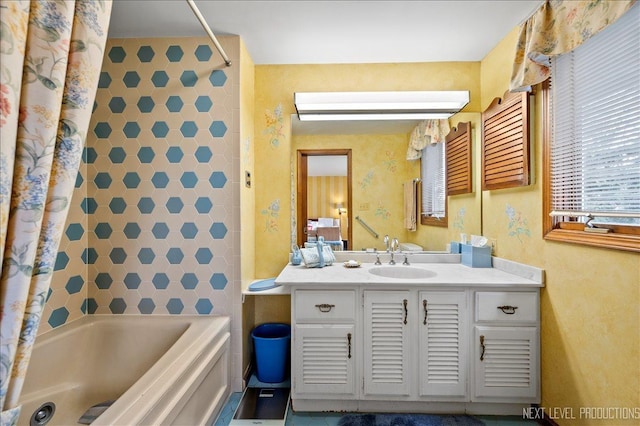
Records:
x=158, y=369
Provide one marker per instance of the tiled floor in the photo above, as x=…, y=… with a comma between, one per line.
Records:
x=331, y=419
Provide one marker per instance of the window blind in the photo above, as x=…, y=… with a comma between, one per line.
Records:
x=595, y=152
x=433, y=180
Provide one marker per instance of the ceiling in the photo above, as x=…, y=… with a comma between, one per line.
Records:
x=332, y=32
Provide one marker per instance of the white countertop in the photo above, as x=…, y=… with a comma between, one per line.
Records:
x=504, y=273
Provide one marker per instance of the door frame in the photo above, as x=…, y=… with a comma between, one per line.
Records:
x=301, y=192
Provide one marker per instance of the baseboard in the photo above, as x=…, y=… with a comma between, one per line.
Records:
x=246, y=375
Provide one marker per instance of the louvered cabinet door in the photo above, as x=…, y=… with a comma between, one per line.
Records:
x=506, y=363
x=443, y=344
x=386, y=316
x=324, y=359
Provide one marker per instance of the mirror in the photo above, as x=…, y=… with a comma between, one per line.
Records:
x=378, y=171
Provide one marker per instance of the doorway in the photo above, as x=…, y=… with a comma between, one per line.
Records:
x=302, y=196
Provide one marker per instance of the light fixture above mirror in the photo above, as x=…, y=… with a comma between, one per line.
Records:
x=401, y=105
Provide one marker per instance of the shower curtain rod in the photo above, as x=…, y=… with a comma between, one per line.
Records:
x=207, y=29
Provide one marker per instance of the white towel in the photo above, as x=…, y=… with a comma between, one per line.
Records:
x=410, y=205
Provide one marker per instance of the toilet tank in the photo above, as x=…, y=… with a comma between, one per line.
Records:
x=409, y=247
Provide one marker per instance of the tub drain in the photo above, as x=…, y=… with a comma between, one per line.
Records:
x=43, y=414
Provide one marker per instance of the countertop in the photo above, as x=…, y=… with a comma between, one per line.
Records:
x=504, y=273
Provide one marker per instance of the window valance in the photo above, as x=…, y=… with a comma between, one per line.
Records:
x=426, y=132
x=558, y=27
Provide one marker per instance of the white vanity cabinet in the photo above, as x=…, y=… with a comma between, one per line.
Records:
x=323, y=343
x=506, y=350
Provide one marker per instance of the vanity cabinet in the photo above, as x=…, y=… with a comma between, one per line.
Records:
x=506, y=355
x=324, y=350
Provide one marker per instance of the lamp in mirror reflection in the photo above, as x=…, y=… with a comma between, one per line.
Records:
x=340, y=208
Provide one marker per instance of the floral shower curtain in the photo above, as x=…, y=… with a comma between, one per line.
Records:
x=50, y=59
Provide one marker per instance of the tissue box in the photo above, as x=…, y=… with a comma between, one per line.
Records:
x=476, y=257
x=454, y=247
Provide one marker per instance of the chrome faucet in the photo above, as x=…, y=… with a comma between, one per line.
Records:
x=394, y=247
x=387, y=242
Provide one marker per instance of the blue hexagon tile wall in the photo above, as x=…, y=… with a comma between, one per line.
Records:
x=149, y=231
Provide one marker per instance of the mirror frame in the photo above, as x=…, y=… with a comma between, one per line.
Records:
x=301, y=192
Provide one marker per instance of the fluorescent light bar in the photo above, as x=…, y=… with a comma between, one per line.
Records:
x=379, y=105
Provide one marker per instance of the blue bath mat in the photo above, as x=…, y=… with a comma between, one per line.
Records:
x=407, y=420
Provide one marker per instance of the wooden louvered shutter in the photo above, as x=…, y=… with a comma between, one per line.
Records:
x=459, y=177
x=505, y=142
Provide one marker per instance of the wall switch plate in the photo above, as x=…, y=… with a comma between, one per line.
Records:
x=494, y=245
x=364, y=207
x=247, y=179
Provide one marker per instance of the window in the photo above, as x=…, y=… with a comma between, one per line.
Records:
x=592, y=146
x=434, y=197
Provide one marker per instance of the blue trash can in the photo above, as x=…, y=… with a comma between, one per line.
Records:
x=271, y=344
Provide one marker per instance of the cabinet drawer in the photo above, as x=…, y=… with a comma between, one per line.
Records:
x=323, y=306
x=507, y=306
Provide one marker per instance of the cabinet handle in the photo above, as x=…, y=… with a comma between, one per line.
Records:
x=325, y=307
x=424, y=306
x=508, y=309
x=404, y=303
x=349, y=344
x=483, y=348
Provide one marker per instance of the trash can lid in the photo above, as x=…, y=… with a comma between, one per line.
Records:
x=263, y=284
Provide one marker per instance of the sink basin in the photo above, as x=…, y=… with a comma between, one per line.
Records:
x=401, y=271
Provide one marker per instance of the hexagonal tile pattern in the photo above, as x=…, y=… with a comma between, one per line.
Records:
x=146, y=256
x=203, y=53
x=145, y=53
x=189, y=281
x=131, y=180
x=146, y=104
x=218, y=230
x=102, y=180
x=103, y=230
x=146, y=154
x=189, y=129
x=62, y=260
x=174, y=53
x=146, y=205
x=174, y=103
x=160, y=281
x=79, y=180
x=117, y=54
x=203, y=103
x=88, y=205
x=117, y=305
x=189, y=78
x=118, y=255
x=102, y=130
x=217, y=179
x=74, y=231
x=160, y=230
x=204, y=306
x=175, y=255
x=131, y=79
x=204, y=255
x=203, y=205
x=132, y=280
x=89, y=256
x=74, y=284
x=146, y=306
x=92, y=306
x=117, y=205
x=189, y=180
x=105, y=80
x=117, y=155
x=89, y=155
x=131, y=230
x=218, y=281
x=58, y=317
x=131, y=129
x=160, y=79
x=189, y=230
x=203, y=154
x=103, y=281
x=159, y=129
x=175, y=306
x=160, y=180
x=217, y=78
x=217, y=129
x=174, y=205
x=174, y=154
x=117, y=105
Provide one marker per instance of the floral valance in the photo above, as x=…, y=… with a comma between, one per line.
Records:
x=426, y=132
x=558, y=27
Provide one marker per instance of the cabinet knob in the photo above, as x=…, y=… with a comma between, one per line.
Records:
x=325, y=307
x=404, y=303
x=349, y=344
x=508, y=309
x=424, y=306
x=483, y=348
